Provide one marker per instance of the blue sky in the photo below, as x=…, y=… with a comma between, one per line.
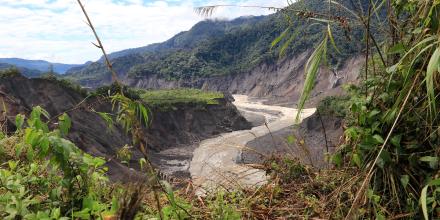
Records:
x=54, y=29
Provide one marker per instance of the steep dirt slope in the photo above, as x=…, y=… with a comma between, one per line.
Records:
x=179, y=127
x=282, y=82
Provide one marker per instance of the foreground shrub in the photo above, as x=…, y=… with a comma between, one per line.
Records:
x=44, y=176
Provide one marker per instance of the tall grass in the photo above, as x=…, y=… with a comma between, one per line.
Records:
x=392, y=133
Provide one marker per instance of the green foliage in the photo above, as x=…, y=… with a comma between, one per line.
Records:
x=223, y=207
x=129, y=113
x=169, y=98
x=116, y=88
x=9, y=72
x=333, y=18
x=291, y=168
x=177, y=208
x=65, y=83
x=311, y=71
x=47, y=176
x=216, y=48
x=431, y=199
x=98, y=71
x=392, y=125
x=64, y=124
x=334, y=106
x=124, y=154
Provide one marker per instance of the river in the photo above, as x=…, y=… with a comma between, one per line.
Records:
x=216, y=162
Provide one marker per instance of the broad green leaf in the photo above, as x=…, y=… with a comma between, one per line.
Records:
x=397, y=49
x=424, y=197
x=56, y=213
x=383, y=159
x=38, y=111
x=380, y=216
x=88, y=203
x=83, y=214
x=31, y=136
x=433, y=161
x=378, y=139
x=337, y=159
x=30, y=154
x=44, y=146
x=357, y=160
x=311, y=71
x=19, y=121
x=404, y=180
x=432, y=69
x=373, y=113
x=351, y=132
x=395, y=140
x=64, y=124
x=115, y=205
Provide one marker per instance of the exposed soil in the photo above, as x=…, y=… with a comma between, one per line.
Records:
x=171, y=135
x=280, y=83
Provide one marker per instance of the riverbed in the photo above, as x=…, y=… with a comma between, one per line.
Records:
x=216, y=162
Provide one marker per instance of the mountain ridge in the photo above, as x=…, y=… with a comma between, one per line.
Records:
x=196, y=31
x=40, y=65
x=30, y=73
x=213, y=48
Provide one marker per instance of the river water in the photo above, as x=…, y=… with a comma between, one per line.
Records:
x=216, y=162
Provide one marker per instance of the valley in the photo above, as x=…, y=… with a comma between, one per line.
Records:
x=317, y=110
x=197, y=130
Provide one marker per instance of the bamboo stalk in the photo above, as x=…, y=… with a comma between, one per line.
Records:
x=99, y=45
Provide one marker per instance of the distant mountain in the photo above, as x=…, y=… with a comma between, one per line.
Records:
x=220, y=48
x=199, y=33
x=29, y=73
x=40, y=65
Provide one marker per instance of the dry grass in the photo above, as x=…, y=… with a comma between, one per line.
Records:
x=8, y=147
x=294, y=191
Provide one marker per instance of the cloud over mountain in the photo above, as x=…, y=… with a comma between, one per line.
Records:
x=54, y=29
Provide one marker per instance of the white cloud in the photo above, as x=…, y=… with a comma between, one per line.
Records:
x=54, y=29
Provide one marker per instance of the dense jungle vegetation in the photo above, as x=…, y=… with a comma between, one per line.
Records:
x=386, y=168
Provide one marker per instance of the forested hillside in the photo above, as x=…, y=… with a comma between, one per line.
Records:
x=216, y=48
